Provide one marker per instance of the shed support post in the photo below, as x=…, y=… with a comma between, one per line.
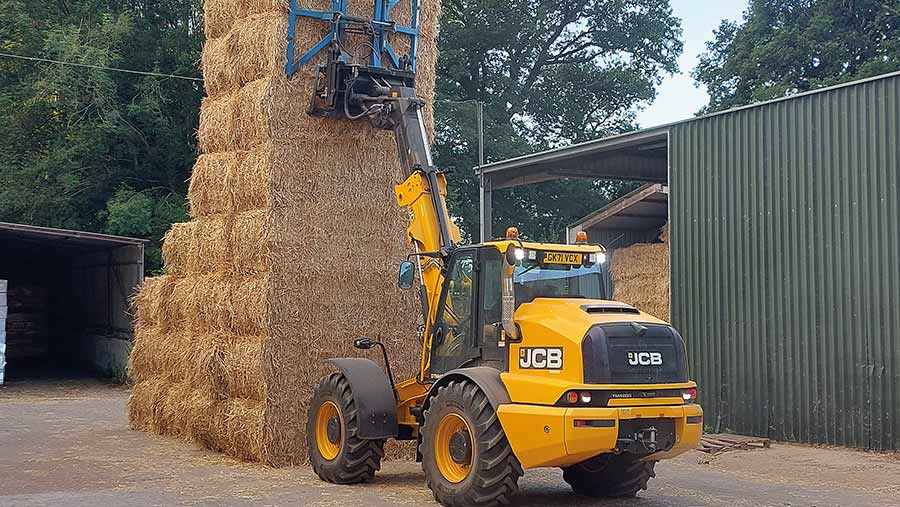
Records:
x=487, y=218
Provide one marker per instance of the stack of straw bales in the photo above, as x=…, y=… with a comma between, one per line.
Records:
x=291, y=252
x=641, y=276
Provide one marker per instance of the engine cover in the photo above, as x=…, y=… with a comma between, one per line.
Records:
x=634, y=353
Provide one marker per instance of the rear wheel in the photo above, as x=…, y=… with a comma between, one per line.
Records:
x=465, y=454
x=609, y=476
x=336, y=453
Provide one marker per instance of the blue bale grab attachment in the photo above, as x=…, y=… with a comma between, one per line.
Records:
x=341, y=24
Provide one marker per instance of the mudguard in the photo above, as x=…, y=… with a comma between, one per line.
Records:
x=373, y=396
x=486, y=378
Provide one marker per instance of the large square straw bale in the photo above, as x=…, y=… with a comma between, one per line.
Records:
x=641, y=276
x=292, y=249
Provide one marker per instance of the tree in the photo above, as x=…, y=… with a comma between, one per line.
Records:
x=550, y=73
x=784, y=47
x=71, y=137
x=144, y=215
x=111, y=152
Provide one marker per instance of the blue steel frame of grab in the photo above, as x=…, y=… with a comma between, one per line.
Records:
x=382, y=26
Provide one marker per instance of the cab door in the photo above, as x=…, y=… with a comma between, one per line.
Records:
x=453, y=336
x=493, y=350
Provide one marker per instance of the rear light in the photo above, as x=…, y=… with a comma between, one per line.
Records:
x=580, y=424
x=689, y=395
x=577, y=398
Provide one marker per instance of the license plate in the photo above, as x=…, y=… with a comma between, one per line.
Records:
x=563, y=258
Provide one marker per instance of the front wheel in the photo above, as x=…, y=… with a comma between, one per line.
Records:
x=467, y=459
x=609, y=476
x=335, y=451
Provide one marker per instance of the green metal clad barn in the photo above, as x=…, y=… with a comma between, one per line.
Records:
x=785, y=253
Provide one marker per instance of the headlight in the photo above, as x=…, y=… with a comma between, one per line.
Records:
x=520, y=254
x=597, y=258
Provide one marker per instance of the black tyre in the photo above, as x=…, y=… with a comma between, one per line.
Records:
x=465, y=454
x=336, y=453
x=609, y=476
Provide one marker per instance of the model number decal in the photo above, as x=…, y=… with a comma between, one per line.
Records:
x=645, y=359
x=540, y=358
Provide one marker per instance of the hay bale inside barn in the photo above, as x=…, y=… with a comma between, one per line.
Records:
x=291, y=252
x=640, y=277
x=634, y=228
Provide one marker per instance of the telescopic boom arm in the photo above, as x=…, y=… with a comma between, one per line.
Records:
x=402, y=113
x=387, y=98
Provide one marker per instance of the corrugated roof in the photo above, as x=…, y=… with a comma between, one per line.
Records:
x=644, y=208
x=650, y=136
x=62, y=237
x=547, y=161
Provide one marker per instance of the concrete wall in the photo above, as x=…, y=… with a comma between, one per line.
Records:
x=106, y=355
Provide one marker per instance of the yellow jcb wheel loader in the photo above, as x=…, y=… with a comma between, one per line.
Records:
x=525, y=361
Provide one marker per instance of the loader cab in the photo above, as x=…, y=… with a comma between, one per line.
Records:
x=470, y=281
x=468, y=328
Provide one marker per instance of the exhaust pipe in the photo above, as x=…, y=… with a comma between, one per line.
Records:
x=509, y=299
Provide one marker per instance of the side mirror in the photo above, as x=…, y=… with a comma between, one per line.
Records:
x=439, y=330
x=407, y=275
x=363, y=343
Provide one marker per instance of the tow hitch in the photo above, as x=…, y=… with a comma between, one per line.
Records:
x=645, y=437
x=641, y=442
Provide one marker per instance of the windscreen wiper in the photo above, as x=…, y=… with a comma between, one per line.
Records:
x=527, y=270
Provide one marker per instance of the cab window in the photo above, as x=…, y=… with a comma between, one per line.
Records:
x=535, y=279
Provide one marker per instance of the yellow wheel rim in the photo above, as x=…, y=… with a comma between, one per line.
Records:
x=329, y=442
x=455, y=470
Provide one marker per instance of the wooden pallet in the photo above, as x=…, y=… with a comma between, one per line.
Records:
x=719, y=443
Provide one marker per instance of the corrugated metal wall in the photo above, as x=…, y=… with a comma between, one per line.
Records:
x=786, y=265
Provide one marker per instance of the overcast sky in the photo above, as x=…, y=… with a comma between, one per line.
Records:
x=677, y=97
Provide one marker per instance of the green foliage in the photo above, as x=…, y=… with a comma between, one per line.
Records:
x=784, y=47
x=550, y=73
x=71, y=137
x=142, y=215
x=111, y=152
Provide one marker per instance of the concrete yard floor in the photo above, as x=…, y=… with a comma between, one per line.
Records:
x=67, y=444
